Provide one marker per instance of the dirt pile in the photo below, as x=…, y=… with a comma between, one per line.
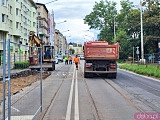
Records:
x=17, y=84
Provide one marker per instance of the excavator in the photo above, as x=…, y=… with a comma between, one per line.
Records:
x=48, y=62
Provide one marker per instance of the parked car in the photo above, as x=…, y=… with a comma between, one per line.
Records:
x=60, y=58
x=56, y=60
x=81, y=57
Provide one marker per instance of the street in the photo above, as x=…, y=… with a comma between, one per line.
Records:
x=68, y=95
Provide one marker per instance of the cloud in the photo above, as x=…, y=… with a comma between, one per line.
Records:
x=74, y=11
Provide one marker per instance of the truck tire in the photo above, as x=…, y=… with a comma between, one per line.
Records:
x=88, y=75
x=112, y=75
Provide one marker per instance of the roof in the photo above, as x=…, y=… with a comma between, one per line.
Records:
x=33, y=3
x=70, y=43
x=43, y=6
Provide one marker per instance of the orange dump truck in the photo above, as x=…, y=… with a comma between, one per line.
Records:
x=100, y=58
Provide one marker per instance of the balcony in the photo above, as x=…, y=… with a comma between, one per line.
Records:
x=17, y=32
x=4, y=27
x=48, y=35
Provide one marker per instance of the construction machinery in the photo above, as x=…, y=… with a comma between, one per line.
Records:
x=35, y=54
x=100, y=58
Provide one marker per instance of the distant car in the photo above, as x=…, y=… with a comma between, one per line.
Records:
x=60, y=58
x=81, y=57
x=56, y=60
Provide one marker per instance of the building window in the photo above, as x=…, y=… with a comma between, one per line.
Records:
x=17, y=25
x=3, y=17
x=39, y=13
x=16, y=11
x=3, y=2
x=34, y=24
x=21, y=5
x=33, y=14
x=10, y=9
x=21, y=28
x=10, y=23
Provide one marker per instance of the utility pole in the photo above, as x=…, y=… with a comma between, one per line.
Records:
x=114, y=27
x=142, y=47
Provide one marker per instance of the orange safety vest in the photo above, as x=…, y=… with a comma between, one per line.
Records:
x=76, y=59
x=69, y=58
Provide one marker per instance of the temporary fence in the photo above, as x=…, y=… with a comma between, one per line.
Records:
x=25, y=104
x=152, y=58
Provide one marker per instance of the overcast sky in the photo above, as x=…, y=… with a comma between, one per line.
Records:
x=73, y=11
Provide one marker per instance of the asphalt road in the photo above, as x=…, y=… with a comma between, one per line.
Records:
x=68, y=95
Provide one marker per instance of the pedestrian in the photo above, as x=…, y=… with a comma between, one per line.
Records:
x=76, y=61
x=70, y=59
x=66, y=60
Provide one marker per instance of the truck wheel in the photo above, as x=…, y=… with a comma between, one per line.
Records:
x=88, y=75
x=112, y=75
x=85, y=75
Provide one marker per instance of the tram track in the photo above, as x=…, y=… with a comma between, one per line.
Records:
x=116, y=89
x=52, y=101
x=147, y=86
x=27, y=92
x=123, y=95
x=92, y=100
x=146, y=103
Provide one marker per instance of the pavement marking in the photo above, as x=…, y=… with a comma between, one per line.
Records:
x=76, y=113
x=15, y=109
x=68, y=113
x=25, y=117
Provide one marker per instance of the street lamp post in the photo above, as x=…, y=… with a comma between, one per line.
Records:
x=142, y=48
x=114, y=27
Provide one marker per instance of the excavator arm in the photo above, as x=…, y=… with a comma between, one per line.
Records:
x=34, y=39
x=34, y=42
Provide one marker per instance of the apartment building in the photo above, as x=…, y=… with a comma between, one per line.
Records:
x=78, y=48
x=17, y=18
x=43, y=23
x=60, y=43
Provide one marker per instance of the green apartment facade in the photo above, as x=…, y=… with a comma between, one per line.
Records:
x=17, y=18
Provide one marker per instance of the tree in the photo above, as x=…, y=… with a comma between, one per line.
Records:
x=128, y=27
x=151, y=25
x=102, y=18
x=71, y=51
x=125, y=28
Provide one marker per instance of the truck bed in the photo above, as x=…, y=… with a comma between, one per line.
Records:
x=101, y=51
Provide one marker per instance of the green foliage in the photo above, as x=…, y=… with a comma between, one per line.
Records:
x=149, y=70
x=127, y=24
x=71, y=51
x=102, y=18
x=125, y=45
x=21, y=65
x=121, y=61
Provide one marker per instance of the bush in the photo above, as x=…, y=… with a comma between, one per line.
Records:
x=21, y=65
x=149, y=70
